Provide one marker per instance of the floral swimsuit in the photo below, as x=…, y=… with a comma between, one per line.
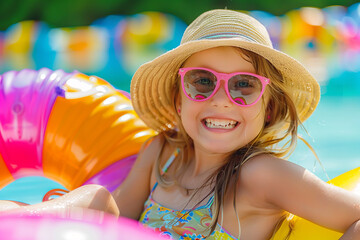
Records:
x=185, y=224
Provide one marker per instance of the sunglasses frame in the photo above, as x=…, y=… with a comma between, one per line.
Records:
x=223, y=77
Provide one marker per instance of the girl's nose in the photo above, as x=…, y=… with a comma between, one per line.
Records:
x=220, y=98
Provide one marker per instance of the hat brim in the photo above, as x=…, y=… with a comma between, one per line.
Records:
x=152, y=84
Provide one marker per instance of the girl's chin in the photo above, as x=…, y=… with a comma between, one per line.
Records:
x=217, y=147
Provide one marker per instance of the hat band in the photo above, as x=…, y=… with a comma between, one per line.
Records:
x=226, y=35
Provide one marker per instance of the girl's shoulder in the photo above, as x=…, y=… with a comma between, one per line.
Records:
x=267, y=164
x=155, y=148
x=154, y=144
x=263, y=175
x=151, y=150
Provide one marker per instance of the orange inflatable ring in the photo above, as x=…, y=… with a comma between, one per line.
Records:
x=69, y=127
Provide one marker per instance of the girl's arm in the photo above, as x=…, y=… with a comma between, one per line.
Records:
x=10, y=205
x=86, y=197
x=290, y=187
x=131, y=195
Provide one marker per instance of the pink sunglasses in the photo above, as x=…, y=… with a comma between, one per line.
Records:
x=242, y=88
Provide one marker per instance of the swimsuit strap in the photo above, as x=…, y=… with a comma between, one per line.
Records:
x=167, y=165
x=170, y=161
x=210, y=201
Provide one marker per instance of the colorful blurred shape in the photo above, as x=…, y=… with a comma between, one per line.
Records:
x=67, y=127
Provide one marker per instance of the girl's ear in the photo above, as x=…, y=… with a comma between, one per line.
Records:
x=268, y=111
x=268, y=118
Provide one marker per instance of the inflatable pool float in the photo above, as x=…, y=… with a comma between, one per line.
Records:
x=303, y=229
x=77, y=129
x=91, y=226
x=69, y=127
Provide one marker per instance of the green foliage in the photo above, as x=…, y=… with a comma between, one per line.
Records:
x=67, y=13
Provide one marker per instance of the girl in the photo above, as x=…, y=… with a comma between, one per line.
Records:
x=222, y=102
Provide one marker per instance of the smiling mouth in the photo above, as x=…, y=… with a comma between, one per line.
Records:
x=220, y=123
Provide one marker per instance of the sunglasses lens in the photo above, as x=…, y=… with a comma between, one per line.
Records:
x=199, y=84
x=245, y=89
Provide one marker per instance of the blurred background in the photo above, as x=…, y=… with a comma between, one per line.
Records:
x=112, y=38
x=72, y=13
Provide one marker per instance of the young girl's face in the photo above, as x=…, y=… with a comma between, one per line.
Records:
x=204, y=121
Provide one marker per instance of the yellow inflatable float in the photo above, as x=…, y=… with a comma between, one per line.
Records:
x=305, y=230
x=77, y=129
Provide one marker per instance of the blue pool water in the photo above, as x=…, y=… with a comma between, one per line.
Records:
x=333, y=131
x=28, y=189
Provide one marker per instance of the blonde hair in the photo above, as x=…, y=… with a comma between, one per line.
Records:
x=282, y=123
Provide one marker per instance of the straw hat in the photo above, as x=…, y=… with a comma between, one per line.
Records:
x=153, y=83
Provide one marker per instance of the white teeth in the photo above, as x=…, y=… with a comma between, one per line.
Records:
x=220, y=123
